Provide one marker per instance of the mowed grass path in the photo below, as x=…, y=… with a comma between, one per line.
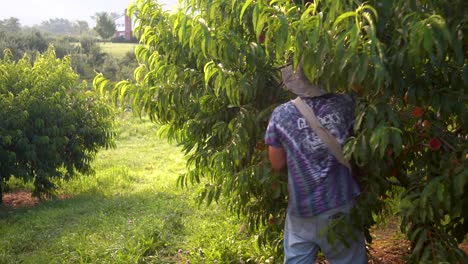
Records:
x=130, y=211
x=117, y=50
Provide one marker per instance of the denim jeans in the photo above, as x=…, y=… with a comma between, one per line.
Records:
x=304, y=236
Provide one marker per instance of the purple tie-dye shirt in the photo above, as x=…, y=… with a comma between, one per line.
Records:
x=317, y=182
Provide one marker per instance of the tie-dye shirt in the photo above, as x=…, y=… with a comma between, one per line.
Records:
x=317, y=182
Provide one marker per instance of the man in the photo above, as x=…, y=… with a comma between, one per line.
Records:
x=320, y=188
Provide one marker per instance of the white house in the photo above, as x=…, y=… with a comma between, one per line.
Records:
x=123, y=26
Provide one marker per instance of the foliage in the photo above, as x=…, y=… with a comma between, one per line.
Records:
x=63, y=26
x=105, y=25
x=86, y=58
x=54, y=26
x=119, y=68
x=20, y=43
x=59, y=26
x=129, y=211
x=120, y=62
x=81, y=27
x=209, y=74
x=90, y=57
x=64, y=48
x=32, y=41
x=51, y=126
x=122, y=39
x=11, y=25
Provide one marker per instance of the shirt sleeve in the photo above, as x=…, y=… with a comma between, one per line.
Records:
x=272, y=135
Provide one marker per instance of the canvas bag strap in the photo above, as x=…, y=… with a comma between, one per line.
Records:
x=323, y=133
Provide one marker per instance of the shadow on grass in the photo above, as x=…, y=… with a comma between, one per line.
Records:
x=93, y=227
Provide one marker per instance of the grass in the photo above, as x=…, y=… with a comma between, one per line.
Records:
x=117, y=50
x=129, y=211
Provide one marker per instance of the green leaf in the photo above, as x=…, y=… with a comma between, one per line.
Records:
x=244, y=7
x=384, y=139
x=364, y=64
x=358, y=122
x=102, y=86
x=428, y=40
x=372, y=9
x=209, y=70
x=460, y=179
x=441, y=193
x=353, y=37
x=139, y=73
x=281, y=35
x=97, y=81
x=182, y=29
x=396, y=140
x=205, y=42
x=342, y=17
x=362, y=150
x=370, y=117
x=428, y=192
x=421, y=239
x=415, y=234
x=260, y=25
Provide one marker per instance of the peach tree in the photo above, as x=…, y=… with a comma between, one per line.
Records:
x=50, y=125
x=209, y=74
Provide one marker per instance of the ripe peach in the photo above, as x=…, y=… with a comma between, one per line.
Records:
x=272, y=221
x=418, y=112
x=435, y=144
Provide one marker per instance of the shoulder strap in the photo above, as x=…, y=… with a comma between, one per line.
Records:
x=323, y=133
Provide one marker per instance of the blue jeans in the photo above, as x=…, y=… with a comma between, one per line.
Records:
x=304, y=236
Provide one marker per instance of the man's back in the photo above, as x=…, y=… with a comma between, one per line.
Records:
x=317, y=181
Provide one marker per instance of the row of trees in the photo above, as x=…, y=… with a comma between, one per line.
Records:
x=10, y=25
x=105, y=26
x=87, y=56
x=62, y=26
x=51, y=125
x=209, y=75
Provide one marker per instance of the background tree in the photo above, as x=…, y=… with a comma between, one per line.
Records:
x=105, y=25
x=51, y=127
x=210, y=76
x=59, y=26
x=24, y=42
x=10, y=25
x=81, y=27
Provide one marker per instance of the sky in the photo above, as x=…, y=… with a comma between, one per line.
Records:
x=32, y=12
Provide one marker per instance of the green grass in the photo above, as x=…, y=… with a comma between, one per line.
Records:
x=129, y=211
x=118, y=50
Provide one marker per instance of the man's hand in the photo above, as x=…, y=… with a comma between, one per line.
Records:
x=277, y=157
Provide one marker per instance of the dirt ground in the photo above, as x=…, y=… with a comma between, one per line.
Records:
x=388, y=245
x=19, y=199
